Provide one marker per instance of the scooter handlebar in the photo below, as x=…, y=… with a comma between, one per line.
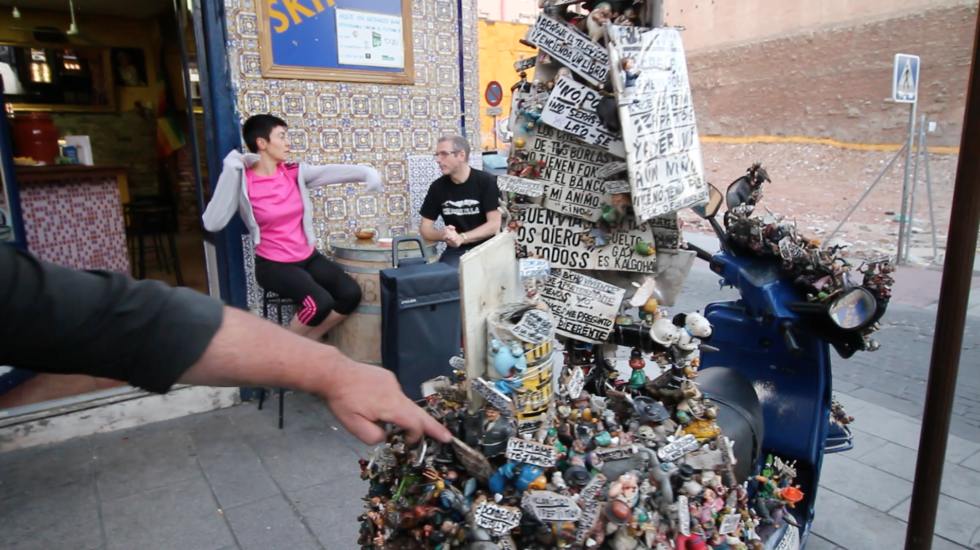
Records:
x=701, y=253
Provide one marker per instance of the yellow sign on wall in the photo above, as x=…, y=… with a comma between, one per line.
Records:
x=499, y=49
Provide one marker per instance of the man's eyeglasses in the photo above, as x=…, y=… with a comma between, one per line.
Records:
x=444, y=154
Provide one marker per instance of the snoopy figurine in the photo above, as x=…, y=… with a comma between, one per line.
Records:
x=692, y=327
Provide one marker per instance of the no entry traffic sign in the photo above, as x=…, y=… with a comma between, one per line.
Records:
x=494, y=94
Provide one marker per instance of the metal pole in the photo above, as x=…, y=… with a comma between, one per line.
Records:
x=932, y=213
x=866, y=193
x=495, y=133
x=658, y=13
x=905, y=186
x=950, y=322
x=915, y=184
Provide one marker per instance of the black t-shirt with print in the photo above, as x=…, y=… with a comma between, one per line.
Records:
x=462, y=205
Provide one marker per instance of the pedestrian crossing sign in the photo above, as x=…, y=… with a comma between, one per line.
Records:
x=905, y=80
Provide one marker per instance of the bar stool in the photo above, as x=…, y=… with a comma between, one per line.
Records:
x=271, y=298
x=156, y=221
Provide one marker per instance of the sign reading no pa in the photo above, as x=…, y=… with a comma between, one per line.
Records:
x=905, y=78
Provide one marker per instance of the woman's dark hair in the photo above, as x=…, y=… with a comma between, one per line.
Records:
x=260, y=126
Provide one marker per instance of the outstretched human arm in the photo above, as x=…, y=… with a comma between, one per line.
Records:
x=250, y=351
x=485, y=231
x=329, y=174
x=64, y=321
x=224, y=200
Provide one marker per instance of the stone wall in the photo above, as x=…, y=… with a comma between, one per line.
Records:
x=119, y=138
x=834, y=82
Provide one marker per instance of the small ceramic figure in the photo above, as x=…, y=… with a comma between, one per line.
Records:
x=629, y=73
x=496, y=431
x=638, y=379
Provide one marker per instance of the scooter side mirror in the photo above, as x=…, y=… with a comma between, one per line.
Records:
x=710, y=208
x=739, y=192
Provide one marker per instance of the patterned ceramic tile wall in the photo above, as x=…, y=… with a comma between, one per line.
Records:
x=361, y=123
x=77, y=224
x=372, y=124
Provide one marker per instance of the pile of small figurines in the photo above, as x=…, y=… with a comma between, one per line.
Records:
x=821, y=273
x=632, y=465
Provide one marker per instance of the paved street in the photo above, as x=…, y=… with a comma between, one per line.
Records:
x=230, y=480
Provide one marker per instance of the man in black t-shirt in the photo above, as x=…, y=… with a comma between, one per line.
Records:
x=466, y=199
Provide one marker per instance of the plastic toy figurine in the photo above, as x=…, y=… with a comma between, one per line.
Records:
x=629, y=73
x=510, y=364
x=496, y=431
x=596, y=21
x=644, y=248
x=523, y=86
x=638, y=379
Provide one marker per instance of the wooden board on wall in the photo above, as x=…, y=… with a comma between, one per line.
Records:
x=488, y=279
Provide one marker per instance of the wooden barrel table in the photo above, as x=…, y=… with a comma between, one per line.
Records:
x=359, y=336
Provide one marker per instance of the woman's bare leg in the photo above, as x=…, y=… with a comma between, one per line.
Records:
x=332, y=320
x=297, y=327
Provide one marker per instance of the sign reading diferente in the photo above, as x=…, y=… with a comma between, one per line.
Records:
x=571, y=48
x=571, y=108
x=585, y=307
x=563, y=240
x=570, y=173
x=663, y=151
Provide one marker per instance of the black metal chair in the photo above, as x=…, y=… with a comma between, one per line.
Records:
x=271, y=298
x=155, y=220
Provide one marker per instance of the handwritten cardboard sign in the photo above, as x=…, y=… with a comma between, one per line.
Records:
x=521, y=186
x=663, y=150
x=535, y=327
x=571, y=48
x=615, y=187
x=473, y=461
x=678, y=448
x=571, y=108
x=506, y=543
x=585, y=307
x=562, y=241
x=531, y=452
x=730, y=523
x=533, y=267
x=569, y=172
x=683, y=516
x=496, y=518
x=494, y=397
x=590, y=508
x=550, y=506
x=575, y=383
x=526, y=63
x=607, y=454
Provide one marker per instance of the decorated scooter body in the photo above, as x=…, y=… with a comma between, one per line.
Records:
x=782, y=342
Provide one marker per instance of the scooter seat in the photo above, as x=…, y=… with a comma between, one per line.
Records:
x=739, y=415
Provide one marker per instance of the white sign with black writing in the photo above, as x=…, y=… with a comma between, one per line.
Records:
x=550, y=506
x=569, y=172
x=533, y=267
x=678, y=448
x=683, y=516
x=526, y=63
x=656, y=108
x=535, y=327
x=494, y=397
x=531, y=452
x=585, y=307
x=612, y=169
x=496, y=518
x=615, y=187
x=571, y=48
x=730, y=523
x=575, y=383
x=506, y=543
x=571, y=108
x=592, y=488
x=457, y=362
x=521, y=186
x=607, y=454
x=590, y=507
x=565, y=241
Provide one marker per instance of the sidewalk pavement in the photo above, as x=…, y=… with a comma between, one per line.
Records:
x=229, y=479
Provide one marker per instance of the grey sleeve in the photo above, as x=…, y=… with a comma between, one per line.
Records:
x=64, y=321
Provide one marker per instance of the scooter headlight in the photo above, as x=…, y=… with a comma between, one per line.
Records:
x=853, y=309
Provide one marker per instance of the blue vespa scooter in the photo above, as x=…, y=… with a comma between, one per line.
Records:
x=776, y=346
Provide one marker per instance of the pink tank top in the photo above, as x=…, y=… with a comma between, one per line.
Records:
x=278, y=208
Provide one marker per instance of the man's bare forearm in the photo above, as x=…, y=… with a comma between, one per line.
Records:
x=431, y=233
x=250, y=351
